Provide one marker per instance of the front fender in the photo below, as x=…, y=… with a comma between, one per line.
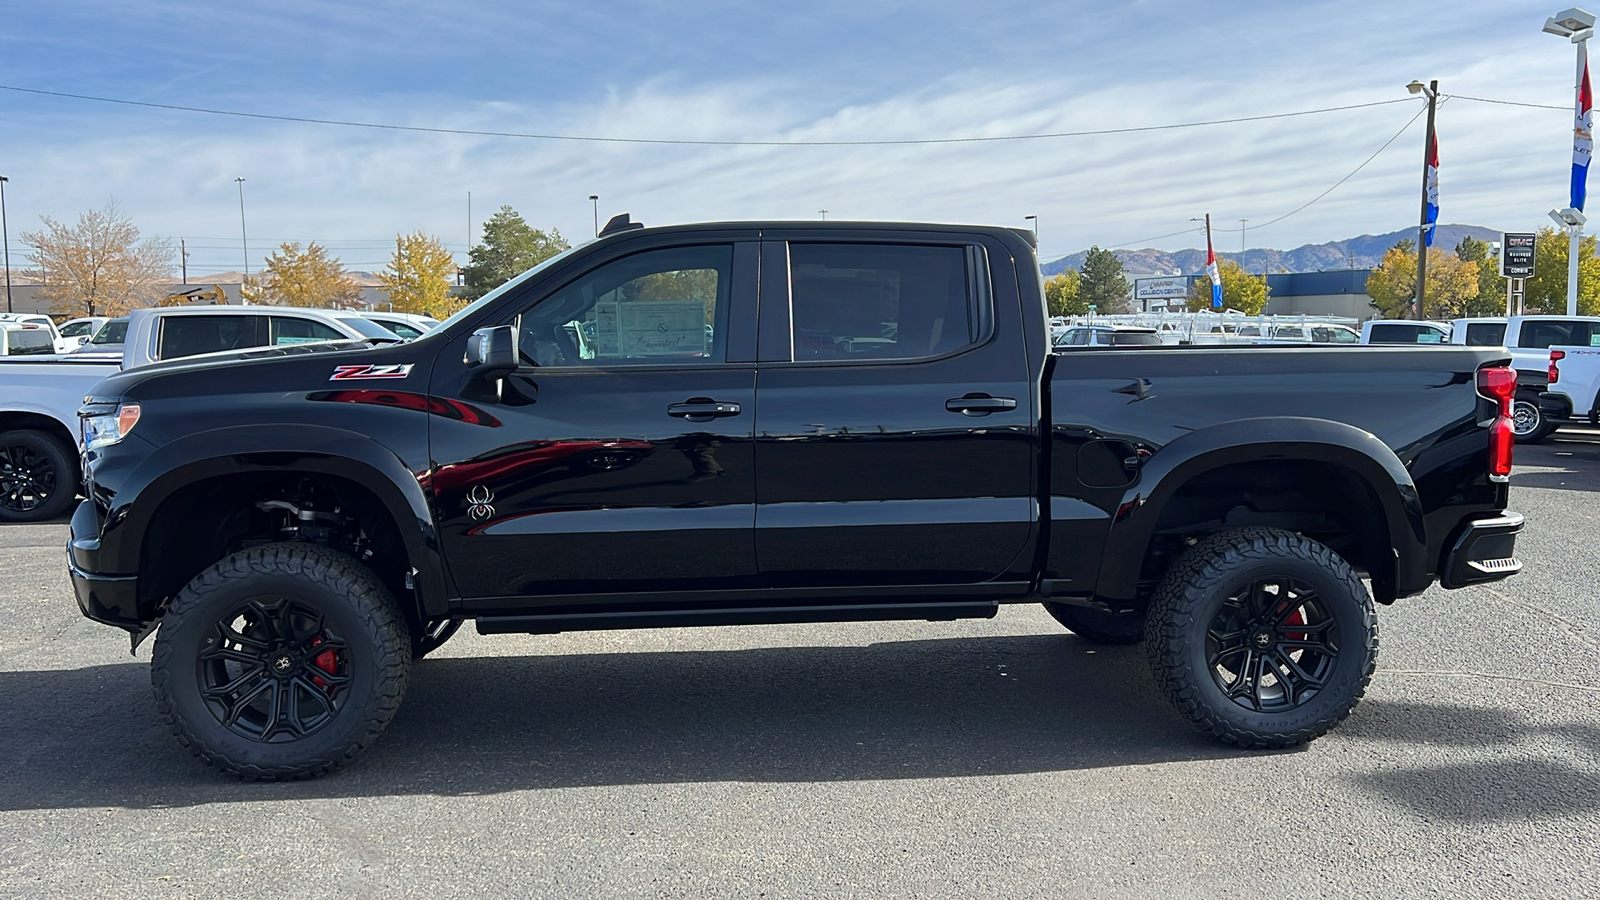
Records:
x=1261, y=439
x=310, y=449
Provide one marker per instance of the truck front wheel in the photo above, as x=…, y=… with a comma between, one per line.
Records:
x=281, y=662
x=1262, y=638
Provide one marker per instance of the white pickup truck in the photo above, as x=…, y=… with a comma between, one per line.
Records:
x=1574, y=383
x=1529, y=340
x=40, y=395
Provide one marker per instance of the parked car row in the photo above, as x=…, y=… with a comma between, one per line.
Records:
x=40, y=393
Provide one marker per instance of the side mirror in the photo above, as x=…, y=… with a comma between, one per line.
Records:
x=492, y=352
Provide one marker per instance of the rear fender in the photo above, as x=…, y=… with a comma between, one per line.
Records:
x=1271, y=438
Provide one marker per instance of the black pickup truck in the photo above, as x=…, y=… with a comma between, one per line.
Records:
x=776, y=422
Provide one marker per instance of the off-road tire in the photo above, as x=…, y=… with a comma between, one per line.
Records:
x=356, y=605
x=50, y=460
x=1190, y=598
x=1097, y=626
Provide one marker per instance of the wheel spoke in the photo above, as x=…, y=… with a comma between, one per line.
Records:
x=220, y=652
x=246, y=699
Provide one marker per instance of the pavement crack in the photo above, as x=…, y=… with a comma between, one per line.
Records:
x=1563, y=624
x=1494, y=676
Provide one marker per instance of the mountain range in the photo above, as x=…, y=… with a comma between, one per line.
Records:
x=1363, y=252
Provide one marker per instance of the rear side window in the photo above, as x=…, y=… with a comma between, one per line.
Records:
x=192, y=335
x=1486, y=334
x=880, y=301
x=112, y=332
x=1539, y=335
x=302, y=331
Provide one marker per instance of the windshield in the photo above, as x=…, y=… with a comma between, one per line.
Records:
x=368, y=328
x=495, y=294
x=112, y=332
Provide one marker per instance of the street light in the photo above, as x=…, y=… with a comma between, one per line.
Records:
x=1431, y=91
x=595, y=200
x=243, y=239
x=5, y=232
x=1035, y=221
x=1577, y=26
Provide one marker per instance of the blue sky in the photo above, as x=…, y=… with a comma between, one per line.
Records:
x=737, y=71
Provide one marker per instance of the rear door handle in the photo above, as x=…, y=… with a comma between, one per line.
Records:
x=702, y=409
x=980, y=404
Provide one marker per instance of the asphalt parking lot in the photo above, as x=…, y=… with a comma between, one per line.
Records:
x=1002, y=758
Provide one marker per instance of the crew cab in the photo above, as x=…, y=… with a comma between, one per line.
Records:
x=775, y=422
x=39, y=399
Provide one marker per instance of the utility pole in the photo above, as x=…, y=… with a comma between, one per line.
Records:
x=824, y=214
x=183, y=260
x=244, y=240
x=5, y=234
x=1422, y=226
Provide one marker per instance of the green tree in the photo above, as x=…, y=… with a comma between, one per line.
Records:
x=418, y=276
x=1491, y=297
x=1063, y=295
x=510, y=247
x=1102, y=283
x=1240, y=290
x=309, y=278
x=1452, y=288
x=1547, y=289
x=99, y=266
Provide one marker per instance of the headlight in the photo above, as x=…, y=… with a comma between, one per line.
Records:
x=105, y=430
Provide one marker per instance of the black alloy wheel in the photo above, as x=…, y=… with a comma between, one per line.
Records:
x=37, y=477
x=282, y=661
x=273, y=670
x=1262, y=637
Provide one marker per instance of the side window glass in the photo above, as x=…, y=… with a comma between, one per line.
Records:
x=192, y=335
x=652, y=308
x=301, y=331
x=879, y=301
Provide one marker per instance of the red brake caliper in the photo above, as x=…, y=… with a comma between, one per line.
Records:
x=1295, y=618
x=328, y=661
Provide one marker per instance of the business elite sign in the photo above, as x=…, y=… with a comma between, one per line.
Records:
x=1516, y=255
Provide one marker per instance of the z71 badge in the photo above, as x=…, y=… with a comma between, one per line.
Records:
x=345, y=373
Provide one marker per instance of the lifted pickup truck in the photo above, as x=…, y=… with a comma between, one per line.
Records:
x=776, y=422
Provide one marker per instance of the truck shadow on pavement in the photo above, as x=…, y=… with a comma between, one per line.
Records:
x=1517, y=770
x=915, y=709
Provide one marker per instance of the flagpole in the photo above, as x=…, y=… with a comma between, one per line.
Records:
x=1422, y=226
x=1575, y=230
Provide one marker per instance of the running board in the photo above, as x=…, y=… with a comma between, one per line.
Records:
x=555, y=623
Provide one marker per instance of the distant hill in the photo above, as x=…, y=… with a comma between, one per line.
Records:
x=1363, y=252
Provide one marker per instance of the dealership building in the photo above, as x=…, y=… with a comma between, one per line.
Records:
x=1336, y=292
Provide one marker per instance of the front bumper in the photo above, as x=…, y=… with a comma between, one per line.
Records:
x=1485, y=551
x=107, y=599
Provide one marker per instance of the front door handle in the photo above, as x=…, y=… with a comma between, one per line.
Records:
x=980, y=404
x=702, y=409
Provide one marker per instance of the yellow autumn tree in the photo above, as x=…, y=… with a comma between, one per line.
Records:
x=100, y=266
x=1547, y=289
x=1240, y=290
x=309, y=278
x=1452, y=287
x=418, y=276
x=1062, y=295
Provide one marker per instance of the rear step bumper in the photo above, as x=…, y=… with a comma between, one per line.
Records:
x=1486, y=551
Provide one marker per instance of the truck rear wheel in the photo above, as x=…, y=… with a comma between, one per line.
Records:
x=1098, y=626
x=1262, y=638
x=281, y=662
x=1529, y=424
x=38, y=477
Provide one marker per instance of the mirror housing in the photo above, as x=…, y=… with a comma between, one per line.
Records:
x=492, y=352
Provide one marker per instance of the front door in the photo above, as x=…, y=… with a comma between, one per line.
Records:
x=895, y=419
x=617, y=458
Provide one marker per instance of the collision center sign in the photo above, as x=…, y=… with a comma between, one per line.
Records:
x=1173, y=288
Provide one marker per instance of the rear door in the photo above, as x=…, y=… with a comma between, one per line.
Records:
x=894, y=418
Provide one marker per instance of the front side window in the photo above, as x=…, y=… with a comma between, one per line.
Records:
x=659, y=307
x=1486, y=334
x=879, y=301
x=192, y=335
x=302, y=331
x=76, y=329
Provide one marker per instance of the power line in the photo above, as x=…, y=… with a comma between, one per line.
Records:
x=1503, y=102
x=1308, y=203
x=631, y=140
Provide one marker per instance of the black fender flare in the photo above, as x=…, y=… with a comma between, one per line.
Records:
x=1260, y=439
x=300, y=448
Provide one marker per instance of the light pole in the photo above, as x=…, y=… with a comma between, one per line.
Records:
x=594, y=199
x=1035, y=221
x=243, y=240
x=1577, y=26
x=1241, y=240
x=5, y=232
x=1431, y=91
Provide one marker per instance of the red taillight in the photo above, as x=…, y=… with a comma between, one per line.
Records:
x=1499, y=383
x=1554, y=373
